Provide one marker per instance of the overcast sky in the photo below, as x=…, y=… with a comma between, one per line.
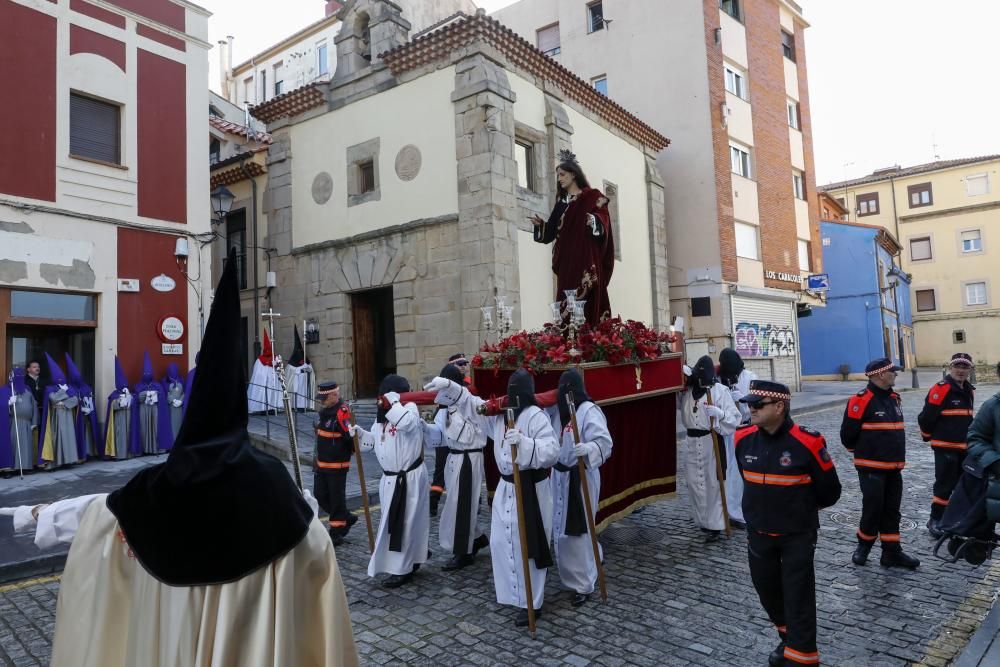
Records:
x=887, y=80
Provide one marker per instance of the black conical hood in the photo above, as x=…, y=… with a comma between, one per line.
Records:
x=298, y=353
x=218, y=508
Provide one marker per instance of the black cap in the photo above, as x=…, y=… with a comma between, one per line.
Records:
x=961, y=359
x=458, y=359
x=325, y=388
x=881, y=365
x=761, y=389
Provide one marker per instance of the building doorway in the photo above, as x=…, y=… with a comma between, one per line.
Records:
x=30, y=343
x=374, y=339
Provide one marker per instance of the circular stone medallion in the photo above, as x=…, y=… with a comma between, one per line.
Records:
x=322, y=188
x=408, y=162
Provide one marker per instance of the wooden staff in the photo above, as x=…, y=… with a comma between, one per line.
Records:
x=364, y=486
x=718, y=468
x=585, y=487
x=522, y=531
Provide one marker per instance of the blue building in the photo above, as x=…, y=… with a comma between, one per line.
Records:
x=867, y=313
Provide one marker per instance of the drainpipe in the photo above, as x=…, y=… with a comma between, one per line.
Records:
x=256, y=282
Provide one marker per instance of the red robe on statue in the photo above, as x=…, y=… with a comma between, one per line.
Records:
x=583, y=256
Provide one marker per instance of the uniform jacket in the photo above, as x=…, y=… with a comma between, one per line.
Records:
x=334, y=444
x=873, y=429
x=984, y=433
x=788, y=476
x=948, y=409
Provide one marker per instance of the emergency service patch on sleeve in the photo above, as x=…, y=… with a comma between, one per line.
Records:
x=824, y=455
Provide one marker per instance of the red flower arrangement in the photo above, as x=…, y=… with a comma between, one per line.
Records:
x=612, y=340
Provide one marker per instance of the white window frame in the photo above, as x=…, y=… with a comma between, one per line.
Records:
x=985, y=294
x=596, y=80
x=736, y=81
x=968, y=179
x=554, y=50
x=741, y=245
x=805, y=261
x=793, y=115
x=961, y=241
x=322, y=64
x=930, y=247
x=799, y=184
x=591, y=27
x=742, y=154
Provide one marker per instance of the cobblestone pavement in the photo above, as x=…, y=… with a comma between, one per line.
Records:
x=673, y=600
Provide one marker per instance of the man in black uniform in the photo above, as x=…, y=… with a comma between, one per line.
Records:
x=334, y=447
x=944, y=422
x=441, y=457
x=872, y=430
x=788, y=476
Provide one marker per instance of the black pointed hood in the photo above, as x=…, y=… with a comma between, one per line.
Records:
x=571, y=381
x=520, y=391
x=702, y=376
x=217, y=509
x=730, y=366
x=391, y=382
x=298, y=356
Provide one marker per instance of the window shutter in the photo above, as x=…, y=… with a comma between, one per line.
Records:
x=94, y=129
x=548, y=38
x=925, y=300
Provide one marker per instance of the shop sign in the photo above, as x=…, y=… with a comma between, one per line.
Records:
x=170, y=328
x=163, y=283
x=172, y=348
x=783, y=277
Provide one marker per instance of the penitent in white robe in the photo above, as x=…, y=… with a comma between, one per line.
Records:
x=264, y=391
x=734, y=482
x=698, y=456
x=301, y=386
x=460, y=434
x=398, y=445
x=575, y=553
x=111, y=612
x=540, y=448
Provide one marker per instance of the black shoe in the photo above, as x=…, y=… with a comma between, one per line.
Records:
x=860, y=556
x=457, y=563
x=336, y=538
x=711, y=536
x=351, y=520
x=396, y=580
x=480, y=542
x=580, y=598
x=435, y=499
x=933, y=530
x=522, y=618
x=777, y=656
x=737, y=525
x=896, y=558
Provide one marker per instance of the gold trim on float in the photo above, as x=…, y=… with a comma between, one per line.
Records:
x=631, y=508
x=637, y=397
x=659, y=481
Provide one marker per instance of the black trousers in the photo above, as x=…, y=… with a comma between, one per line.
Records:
x=440, y=461
x=783, y=573
x=947, y=470
x=329, y=487
x=881, y=495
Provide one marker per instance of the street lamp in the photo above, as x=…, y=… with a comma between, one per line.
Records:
x=222, y=201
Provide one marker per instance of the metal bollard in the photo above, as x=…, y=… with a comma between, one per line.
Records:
x=916, y=382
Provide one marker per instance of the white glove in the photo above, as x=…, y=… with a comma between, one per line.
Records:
x=736, y=393
x=391, y=397
x=438, y=384
x=511, y=437
x=355, y=430
x=714, y=411
x=687, y=370
x=152, y=398
x=177, y=402
x=12, y=400
x=125, y=399
x=63, y=387
x=583, y=449
x=311, y=501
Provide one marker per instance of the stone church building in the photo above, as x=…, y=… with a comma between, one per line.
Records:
x=398, y=193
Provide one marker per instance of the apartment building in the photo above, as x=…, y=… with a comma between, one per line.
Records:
x=103, y=183
x=945, y=215
x=726, y=81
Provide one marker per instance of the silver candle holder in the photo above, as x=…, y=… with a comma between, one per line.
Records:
x=504, y=321
x=569, y=316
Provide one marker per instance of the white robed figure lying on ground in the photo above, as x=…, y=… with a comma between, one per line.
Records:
x=162, y=572
x=264, y=391
x=397, y=437
x=737, y=379
x=698, y=452
x=537, y=450
x=570, y=532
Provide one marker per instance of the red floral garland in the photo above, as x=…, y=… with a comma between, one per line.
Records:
x=613, y=340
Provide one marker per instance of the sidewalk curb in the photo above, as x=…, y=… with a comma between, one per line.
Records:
x=986, y=636
x=33, y=567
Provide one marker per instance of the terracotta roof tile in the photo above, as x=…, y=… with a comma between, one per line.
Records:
x=236, y=128
x=900, y=172
x=236, y=174
x=440, y=43
x=291, y=103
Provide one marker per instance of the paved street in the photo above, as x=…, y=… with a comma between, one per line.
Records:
x=673, y=600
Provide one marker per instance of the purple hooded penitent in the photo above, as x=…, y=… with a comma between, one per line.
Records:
x=58, y=378
x=86, y=424
x=121, y=383
x=164, y=436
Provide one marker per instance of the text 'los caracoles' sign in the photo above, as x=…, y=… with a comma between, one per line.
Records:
x=782, y=276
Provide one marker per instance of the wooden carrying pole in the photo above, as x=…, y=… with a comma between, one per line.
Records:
x=521, y=530
x=364, y=487
x=718, y=467
x=585, y=488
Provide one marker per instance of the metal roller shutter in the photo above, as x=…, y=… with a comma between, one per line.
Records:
x=764, y=328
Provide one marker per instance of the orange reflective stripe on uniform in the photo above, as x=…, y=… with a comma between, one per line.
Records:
x=777, y=480
x=944, y=444
x=939, y=501
x=327, y=434
x=781, y=628
x=882, y=426
x=880, y=465
x=338, y=524
x=333, y=465
x=867, y=538
x=802, y=657
x=889, y=537
x=438, y=489
x=957, y=412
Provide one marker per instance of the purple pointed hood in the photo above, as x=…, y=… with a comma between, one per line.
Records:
x=55, y=373
x=173, y=373
x=121, y=382
x=74, y=375
x=17, y=377
x=147, y=368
